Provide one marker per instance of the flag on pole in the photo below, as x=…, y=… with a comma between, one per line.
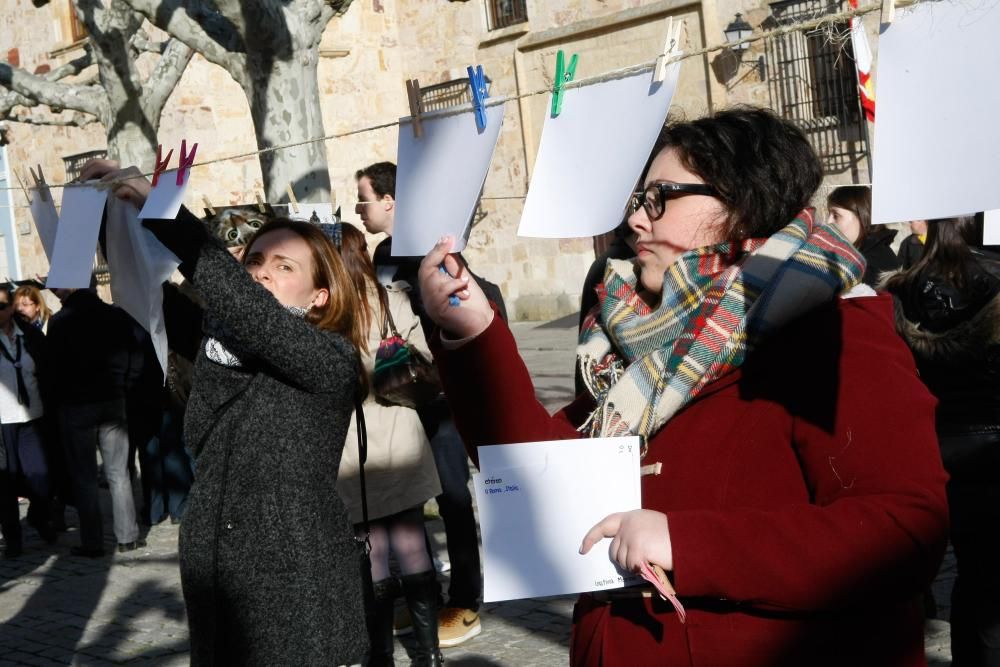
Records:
x=863, y=61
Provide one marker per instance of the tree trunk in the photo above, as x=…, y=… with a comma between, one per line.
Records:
x=285, y=105
x=131, y=144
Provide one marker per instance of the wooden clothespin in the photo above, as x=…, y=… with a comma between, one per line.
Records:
x=260, y=203
x=477, y=82
x=208, y=205
x=23, y=187
x=669, y=47
x=40, y=183
x=161, y=165
x=185, y=161
x=292, y=201
x=888, y=12
x=416, y=107
x=563, y=76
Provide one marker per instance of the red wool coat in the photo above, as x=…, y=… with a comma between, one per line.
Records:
x=804, y=495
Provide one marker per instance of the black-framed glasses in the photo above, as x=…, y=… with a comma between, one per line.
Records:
x=655, y=196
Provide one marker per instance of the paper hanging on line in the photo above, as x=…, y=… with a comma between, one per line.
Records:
x=46, y=218
x=439, y=178
x=592, y=155
x=165, y=199
x=79, y=224
x=937, y=143
x=537, y=501
x=991, y=227
x=139, y=265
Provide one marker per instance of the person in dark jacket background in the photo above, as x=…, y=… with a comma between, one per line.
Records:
x=912, y=247
x=850, y=209
x=948, y=311
x=92, y=351
x=269, y=564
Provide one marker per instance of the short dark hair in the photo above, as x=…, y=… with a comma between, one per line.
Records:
x=763, y=166
x=858, y=200
x=382, y=176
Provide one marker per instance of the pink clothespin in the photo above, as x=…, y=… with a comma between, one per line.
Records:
x=186, y=160
x=161, y=165
x=655, y=575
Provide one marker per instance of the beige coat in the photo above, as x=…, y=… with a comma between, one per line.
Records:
x=400, y=472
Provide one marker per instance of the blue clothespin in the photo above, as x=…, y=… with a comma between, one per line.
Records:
x=477, y=81
x=563, y=76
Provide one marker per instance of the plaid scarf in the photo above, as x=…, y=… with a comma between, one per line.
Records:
x=718, y=302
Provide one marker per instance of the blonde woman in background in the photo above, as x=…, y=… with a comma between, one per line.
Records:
x=30, y=305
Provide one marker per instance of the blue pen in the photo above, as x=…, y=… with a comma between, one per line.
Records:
x=452, y=300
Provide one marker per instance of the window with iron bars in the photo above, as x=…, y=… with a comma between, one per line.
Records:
x=503, y=13
x=813, y=82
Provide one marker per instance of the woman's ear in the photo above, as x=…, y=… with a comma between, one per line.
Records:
x=320, y=299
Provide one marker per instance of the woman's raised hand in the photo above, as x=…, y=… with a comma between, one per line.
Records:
x=128, y=183
x=640, y=536
x=451, y=297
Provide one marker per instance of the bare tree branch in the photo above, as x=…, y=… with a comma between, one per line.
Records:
x=141, y=43
x=165, y=75
x=56, y=95
x=10, y=99
x=74, y=120
x=200, y=27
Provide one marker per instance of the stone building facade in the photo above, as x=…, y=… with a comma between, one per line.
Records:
x=370, y=51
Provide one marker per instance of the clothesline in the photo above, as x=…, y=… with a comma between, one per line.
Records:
x=612, y=75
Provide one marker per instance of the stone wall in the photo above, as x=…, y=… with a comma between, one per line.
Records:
x=366, y=56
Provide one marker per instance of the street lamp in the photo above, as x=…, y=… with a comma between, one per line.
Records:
x=736, y=33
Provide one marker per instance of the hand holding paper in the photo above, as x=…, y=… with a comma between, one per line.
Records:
x=437, y=288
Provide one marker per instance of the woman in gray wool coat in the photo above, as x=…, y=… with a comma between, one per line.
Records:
x=269, y=566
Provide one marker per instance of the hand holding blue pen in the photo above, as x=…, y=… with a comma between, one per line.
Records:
x=453, y=300
x=445, y=284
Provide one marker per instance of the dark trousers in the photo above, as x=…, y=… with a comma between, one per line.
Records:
x=973, y=461
x=168, y=468
x=84, y=428
x=26, y=469
x=455, y=505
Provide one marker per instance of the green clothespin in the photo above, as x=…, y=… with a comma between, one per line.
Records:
x=563, y=75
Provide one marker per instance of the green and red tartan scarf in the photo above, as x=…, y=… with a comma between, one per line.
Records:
x=643, y=365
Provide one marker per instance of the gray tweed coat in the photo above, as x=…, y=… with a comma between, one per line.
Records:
x=269, y=567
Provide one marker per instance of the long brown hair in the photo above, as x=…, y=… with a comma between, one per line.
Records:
x=34, y=295
x=354, y=253
x=858, y=200
x=329, y=273
x=947, y=252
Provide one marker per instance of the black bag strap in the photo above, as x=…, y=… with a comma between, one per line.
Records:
x=359, y=416
x=388, y=325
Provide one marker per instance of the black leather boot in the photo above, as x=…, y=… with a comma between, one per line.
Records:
x=421, y=591
x=380, y=630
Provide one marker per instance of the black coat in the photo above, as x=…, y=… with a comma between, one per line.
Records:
x=269, y=566
x=93, y=350
x=878, y=254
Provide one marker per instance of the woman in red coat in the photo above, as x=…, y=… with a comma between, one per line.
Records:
x=791, y=482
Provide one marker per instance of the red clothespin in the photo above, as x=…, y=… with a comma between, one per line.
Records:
x=161, y=165
x=413, y=97
x=186, y=160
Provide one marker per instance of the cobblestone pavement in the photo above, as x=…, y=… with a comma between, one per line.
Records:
x=56, y=609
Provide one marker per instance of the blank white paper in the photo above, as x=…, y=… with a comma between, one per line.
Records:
x=537, y=501
x=439, y=178
x=76, y=237
x=592, y=154
x=937, y=142
x=166, y=197
x=991, y=227
x=43, y=212
x=139, y=265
